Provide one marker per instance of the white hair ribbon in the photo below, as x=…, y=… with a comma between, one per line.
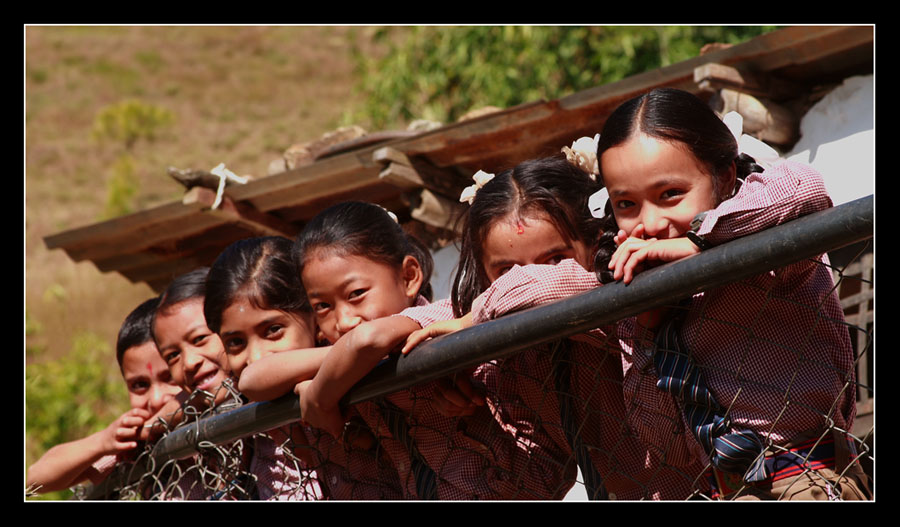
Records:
x=764, y=155
x=583, y=154
x=597, y=202
x=468, y=194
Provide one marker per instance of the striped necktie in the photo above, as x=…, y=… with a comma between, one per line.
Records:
x=732, y=451
x=562, y=373
x=425, y=478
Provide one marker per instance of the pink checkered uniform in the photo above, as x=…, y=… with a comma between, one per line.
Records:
x=472, y=457
x=606, y=420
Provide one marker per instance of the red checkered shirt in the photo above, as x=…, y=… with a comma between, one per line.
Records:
x=473, y=457
x=614, y=427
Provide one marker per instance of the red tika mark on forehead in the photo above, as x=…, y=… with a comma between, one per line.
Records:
x=520, y=229
x=150, y=368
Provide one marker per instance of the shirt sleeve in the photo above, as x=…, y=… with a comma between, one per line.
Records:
x=785, y=192
x=527, y=286
x=426, y=314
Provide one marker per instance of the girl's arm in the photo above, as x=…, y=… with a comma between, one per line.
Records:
x=276, y=374
x=352, y=357
x=785, y=192
x=69, y=463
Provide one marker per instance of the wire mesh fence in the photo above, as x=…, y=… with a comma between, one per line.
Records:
x=573, y=396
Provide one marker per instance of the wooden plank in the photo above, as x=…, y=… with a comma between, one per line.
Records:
x=122, y=226
x=401, y=176
x=241, y=214
x=142, y=237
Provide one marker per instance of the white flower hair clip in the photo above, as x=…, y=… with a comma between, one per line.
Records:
x=583, y=154
x=468, y=194
x=764, y=155
x=597, y=202
x=391, y=214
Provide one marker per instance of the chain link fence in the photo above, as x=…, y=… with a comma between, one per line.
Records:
x=555, y=414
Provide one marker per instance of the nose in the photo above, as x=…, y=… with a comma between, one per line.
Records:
x=159, y=396
x=655, y=222
x=192, y=362
x=347, y=319
x=255, y=352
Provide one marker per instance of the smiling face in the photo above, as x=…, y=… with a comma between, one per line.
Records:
x=150, y=385
x=656, y=183
x=531, y=239
x=193, y=353
x=249, y=333
x=345, y=291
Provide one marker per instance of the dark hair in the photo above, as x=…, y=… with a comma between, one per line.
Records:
x=676, y=116
x=189, y=286
x=258, y=269
x=135, y=330
x=551, y=185
x=362, y=229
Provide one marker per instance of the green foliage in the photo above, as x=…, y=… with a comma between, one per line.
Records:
x=121, y=188
x=131, y=120
x=72, y=397
x=440, y=73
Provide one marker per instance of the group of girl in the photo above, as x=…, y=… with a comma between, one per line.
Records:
x=313, y=316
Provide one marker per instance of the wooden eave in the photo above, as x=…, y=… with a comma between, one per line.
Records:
x=156, y=244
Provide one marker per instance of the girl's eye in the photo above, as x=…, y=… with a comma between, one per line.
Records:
x=274, y=331
x=198, y=340
x=357, y=293
x=672, y=193
x=623, y=204
x=555, y=259
x=171, y=356
x=139, y=387
x=321, y=307
x=234, y=344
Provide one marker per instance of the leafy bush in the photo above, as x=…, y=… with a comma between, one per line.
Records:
x=72, y=397
x=131, y=120
x=121, y=188
x=440, y=73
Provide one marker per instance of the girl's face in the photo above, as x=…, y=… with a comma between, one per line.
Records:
x=150, y=385
x=345, y=291
x=533, y=239
x=249, y=333
x=193, y=352
x=659, y=184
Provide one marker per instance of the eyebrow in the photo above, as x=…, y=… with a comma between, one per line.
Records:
x=312, y=293
x=665, y=182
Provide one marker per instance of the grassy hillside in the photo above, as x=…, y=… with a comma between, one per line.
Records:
x=239, y=95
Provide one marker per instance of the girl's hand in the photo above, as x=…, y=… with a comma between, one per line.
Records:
x=634, y=253
x=328, y=419
x=455, y=396
x=435, y=330
x=123, y=433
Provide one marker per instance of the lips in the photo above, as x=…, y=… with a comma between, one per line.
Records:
x=206, y=381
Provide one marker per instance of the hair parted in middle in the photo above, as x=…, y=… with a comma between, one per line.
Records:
x=550, y=185
x=260, y=270
x=358, y=228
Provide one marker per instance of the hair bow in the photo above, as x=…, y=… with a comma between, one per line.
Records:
x=583, y=154
x=481, y=178
x=597, y=202
x=764, y=155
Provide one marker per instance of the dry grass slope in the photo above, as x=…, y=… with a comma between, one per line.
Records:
x=240, y=95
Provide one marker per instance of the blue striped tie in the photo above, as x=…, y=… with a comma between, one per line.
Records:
x=732, y=451
x=593, y=483
x=426, y=480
